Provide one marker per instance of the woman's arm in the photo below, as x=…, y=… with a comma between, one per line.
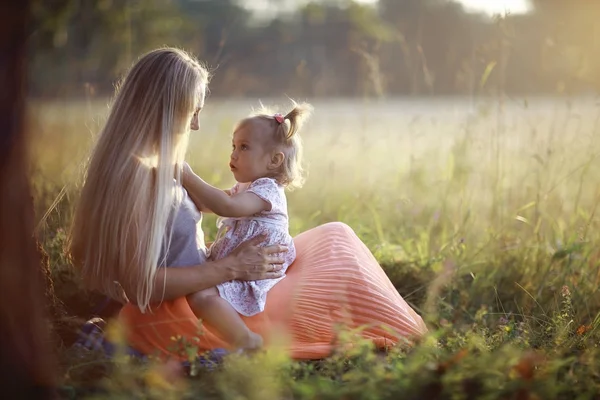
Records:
x=219, y=201
x=246, y=262
x=172, y=283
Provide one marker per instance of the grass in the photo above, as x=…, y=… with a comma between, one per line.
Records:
x=485, y=222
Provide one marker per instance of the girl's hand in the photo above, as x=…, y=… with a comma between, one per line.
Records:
x=252, y=263
x=187, y=171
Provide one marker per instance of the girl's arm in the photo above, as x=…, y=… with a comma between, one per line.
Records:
x=200, y=206
x=240, y=205
x=195, y=199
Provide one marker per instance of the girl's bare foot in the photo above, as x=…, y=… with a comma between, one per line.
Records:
x=251, y=342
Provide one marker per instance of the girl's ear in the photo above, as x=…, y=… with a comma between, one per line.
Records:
x=277, y=160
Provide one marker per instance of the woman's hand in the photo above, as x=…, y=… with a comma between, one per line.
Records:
x=252, y=263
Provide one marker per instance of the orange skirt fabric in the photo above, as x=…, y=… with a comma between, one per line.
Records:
x=334, y=282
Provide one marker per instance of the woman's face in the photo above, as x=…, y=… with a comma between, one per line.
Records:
x=195, y=124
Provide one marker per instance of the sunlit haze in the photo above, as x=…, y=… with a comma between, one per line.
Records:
x=487, y=6
x=491, y=7
x=497, y=6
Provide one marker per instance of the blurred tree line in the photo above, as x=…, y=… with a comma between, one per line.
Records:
x=324, y=48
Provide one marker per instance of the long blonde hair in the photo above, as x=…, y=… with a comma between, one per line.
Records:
x=120, y=223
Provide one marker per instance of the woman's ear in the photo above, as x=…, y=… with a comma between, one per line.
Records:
x=277, y=160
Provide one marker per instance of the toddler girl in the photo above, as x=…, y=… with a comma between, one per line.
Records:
x=265, y=160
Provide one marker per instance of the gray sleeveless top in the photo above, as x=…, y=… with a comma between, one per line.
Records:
x=187, y=246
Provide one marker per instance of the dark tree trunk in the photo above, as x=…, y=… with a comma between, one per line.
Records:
x=26, y=359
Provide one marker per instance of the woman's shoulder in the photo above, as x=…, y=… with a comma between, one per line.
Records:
x=184, y=204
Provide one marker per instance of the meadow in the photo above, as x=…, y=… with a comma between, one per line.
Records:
x=483, y=214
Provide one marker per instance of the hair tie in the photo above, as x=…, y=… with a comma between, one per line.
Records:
x=279, y=118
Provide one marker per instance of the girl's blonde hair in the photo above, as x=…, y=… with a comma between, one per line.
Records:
x=129, y=191
x=284, y=136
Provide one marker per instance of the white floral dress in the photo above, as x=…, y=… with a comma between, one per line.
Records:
x=249, y=297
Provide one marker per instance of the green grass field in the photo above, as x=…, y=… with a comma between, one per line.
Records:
x=484, y=221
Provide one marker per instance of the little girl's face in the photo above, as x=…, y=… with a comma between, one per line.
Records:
x=249, y=157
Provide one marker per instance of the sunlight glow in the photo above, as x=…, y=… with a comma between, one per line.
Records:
x=490, y=7
x=493, y=7
x=265, y=9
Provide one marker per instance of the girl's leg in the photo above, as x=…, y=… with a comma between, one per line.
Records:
x=210, y=307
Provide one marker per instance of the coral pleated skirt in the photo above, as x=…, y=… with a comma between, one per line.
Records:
x=334, y=283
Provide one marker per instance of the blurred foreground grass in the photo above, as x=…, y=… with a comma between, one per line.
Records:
x=484, y=218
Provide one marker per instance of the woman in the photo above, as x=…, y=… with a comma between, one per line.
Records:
x=134, y=225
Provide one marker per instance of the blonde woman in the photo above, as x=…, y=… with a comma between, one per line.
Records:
x=136, y=236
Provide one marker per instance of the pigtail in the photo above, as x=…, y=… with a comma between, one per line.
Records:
x=296, y=118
